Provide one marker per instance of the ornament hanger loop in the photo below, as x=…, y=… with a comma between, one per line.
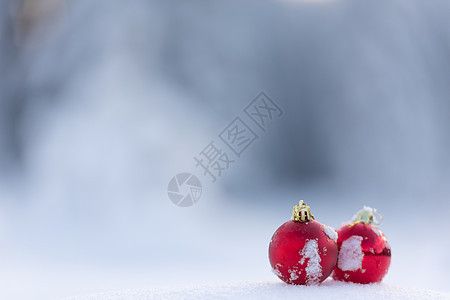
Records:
x=302, y=212
x=381, y=218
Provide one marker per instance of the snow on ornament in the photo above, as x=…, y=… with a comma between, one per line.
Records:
x=364, y=252
x=303, y=250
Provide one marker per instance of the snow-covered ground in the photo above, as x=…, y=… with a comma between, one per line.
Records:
x=273, y=290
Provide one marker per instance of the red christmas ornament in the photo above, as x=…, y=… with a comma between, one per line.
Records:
x=303, y=250
x=364, y=252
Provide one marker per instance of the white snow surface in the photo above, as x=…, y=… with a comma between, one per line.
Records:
x=313, y=268
x=329, y=289
x=330, y=232
x=377, y=232
x=351, y=254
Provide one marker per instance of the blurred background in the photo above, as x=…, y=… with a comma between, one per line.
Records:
x=102, y=102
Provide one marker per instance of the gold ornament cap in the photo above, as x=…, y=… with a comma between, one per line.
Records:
x=367, y=215
x=302, y=212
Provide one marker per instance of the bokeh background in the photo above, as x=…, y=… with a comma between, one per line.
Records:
x=102, y=102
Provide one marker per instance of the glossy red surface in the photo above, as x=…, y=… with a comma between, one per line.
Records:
x=289, y=260
x=376, y=251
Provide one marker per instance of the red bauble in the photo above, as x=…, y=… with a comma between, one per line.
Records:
x=303, y=252
x=364, y=252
